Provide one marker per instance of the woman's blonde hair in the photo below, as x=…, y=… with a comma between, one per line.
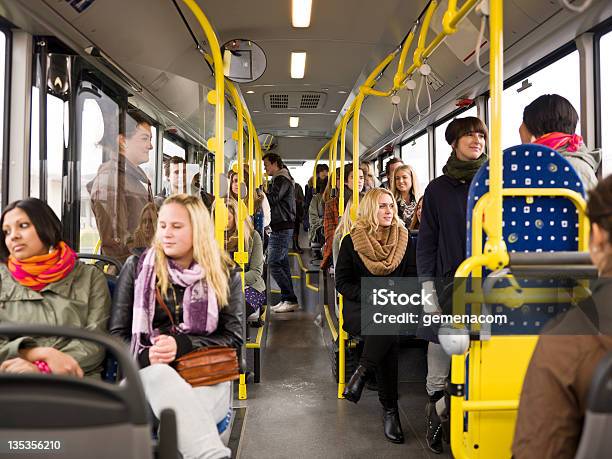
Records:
x=414, y=190
x=232, y=206
x=214, y=263
x=367, y=214
x=345, y=224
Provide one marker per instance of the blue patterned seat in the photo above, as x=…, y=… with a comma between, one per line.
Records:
x=541, y=224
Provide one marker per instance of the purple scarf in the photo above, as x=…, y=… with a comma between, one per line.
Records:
x=200, y=310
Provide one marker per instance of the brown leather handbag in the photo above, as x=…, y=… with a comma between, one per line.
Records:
x=206, y=366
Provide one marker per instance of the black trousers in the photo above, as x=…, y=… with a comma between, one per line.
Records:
x=380, y=355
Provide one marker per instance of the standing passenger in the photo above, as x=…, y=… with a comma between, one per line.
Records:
x=185, y=270
x=405, y=188
x=299, y=215
x=41, y=282
x=121, y=189
x=330, y=216
x=551, y=120
x=281, y=195
x=393, y=164
x=375, y=247
x=442, y=240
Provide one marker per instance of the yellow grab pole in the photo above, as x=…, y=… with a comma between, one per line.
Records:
x=418, y=52
x=493, y=215
x=252, y=134
x=216, y=97
x=400, y=76
x=343, y=126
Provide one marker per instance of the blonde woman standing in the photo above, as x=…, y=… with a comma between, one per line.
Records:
x=375, y=247
x=187, y=271
x=405, y=189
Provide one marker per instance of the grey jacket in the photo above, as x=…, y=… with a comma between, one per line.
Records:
x=585, y=163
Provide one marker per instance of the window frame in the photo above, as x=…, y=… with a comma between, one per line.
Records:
x=598, y=32
x=5, y=28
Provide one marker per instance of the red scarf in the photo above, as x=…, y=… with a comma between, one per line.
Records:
x=556, y=140
x=38, y=271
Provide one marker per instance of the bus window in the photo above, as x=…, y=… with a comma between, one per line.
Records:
x=605, y=55
x=57, y=132
x=2, y=89
x=98, y=133
x=561, y=77
x=416, y=154
x=171, y=148
x=443, y=149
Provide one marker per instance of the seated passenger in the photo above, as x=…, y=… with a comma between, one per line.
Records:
x=175, y=169
x=555, y=390
x=405, y=188
x=344, y=226
x=121, y=189
x=368, y=175
x=376, y=246
x=187, y=270
x=330, y=217
x=322, y=172
x=261, y=206
x=41, y=282
x=254, y=285
x=551, y=120
x=441, y=242
x=316, y=212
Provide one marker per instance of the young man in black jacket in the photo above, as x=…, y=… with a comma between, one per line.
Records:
x=281, y=196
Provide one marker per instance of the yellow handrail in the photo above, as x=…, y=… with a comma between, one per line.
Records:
x=216, y=97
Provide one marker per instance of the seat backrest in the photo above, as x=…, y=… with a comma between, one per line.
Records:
x=82, y=414
x=596, y=440
x=538, y=224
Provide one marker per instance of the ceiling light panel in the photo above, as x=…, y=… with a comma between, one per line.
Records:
x=300, y=13
x=298, y=64
x=294, y=121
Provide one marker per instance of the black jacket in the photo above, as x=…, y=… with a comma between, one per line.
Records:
x=442, y=234
x=229, y=329
x=281, y=196
x=349, y=271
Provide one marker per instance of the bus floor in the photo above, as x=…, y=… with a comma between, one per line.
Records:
x=295, y=413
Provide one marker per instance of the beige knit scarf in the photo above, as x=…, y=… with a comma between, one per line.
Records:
x=382, y=251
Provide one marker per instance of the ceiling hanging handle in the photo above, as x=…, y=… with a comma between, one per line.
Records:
x=482, y=10
x=575, y=8
x=425, y=71
x=410, y=86
x=395, y=101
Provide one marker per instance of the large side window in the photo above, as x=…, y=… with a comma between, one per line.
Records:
x=171, y=148
x=561, y=77
x=2, y=91
x=605, y=55
x=57, y=133
x=416, y=154
x=443, y=149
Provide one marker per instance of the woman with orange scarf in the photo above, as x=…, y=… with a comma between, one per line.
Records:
x=41, y=282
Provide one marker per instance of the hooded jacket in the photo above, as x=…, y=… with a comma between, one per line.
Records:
x=585, y=163
x=281, y=196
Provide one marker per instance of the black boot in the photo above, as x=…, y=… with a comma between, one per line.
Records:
x=434, y=425
x=391, y=422
x=354, y=388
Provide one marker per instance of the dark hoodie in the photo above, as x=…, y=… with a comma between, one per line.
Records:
x=281, y=196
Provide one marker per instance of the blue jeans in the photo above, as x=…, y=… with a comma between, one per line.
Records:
x=278, y=262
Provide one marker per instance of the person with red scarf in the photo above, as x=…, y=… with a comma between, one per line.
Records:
x=41, y=282
x=551, y=120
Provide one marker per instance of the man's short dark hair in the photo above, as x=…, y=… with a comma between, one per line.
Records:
x=274, y=158
x=322, y=168
x=176, y=160
x=550, y=113
x=463, y=126
x=392, y=161
x=47, y=225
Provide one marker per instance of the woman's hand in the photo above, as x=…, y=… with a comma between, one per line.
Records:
x=59, y=362
x=163, y=349
x=18, y=365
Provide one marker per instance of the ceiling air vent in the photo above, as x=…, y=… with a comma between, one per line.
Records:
x=296, y=101
x=310, y=101
x=279, y=101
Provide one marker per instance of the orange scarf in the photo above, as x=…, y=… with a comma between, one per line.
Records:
x=38, y=271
